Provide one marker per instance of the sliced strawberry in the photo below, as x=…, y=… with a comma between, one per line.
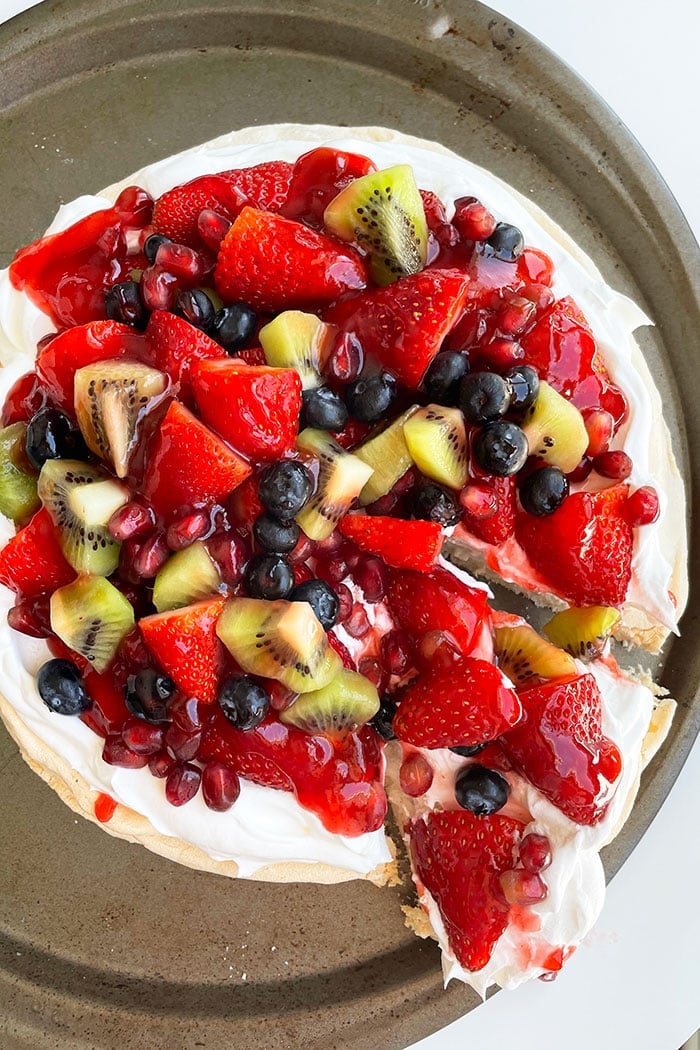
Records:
x=560, y=747
x=185, y=644
x=584, y=549
x=32, y=563
x=175, y=345
x=265, y=185
x=438, y=602
x=458, y=858
x=499, y=526
x=317, y=177
x=467, y=705
x=188, y=466
x=255, y=408
x=276, y=264
x=404, y=324
x=401, y=544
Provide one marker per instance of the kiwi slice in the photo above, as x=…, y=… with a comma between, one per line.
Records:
x=555, y=430
x=81, y=501
x=298, y=340
x=110, y=399
x=388, y=456
x=437, y=441
x=583, y=632
x=348, y=701
x=383, y=213
x=92, y=617
x=282, y=640
x=523, y=654
x=187, y=577
x=18, y=495
x=340, y=479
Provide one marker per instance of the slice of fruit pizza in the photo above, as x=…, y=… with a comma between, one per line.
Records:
x=251, y=396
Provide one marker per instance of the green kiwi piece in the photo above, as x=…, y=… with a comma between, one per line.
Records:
x=341, y=476
x=348, y=701
x=281, y=640
x=111, y=397
x=92, y=617
x=555, y=430
x=18, y=495
x=298, y=340
x=188, y=576
x=583, y=632
x=523, y=654
x=383, y=213
x=81, y=500
x=388, y=456
x=437, y=442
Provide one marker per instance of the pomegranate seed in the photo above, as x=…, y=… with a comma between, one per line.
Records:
x=415, y=775
x=539, y=294
x=220, y=786
x=610, y=761
x=158, y=288
x=370, y=575
x=149, y=557
x=142, y=737
x=25, y=397
x=535, y=853
x=280, y=697
x=522, y=887
x=186, y=530
x=231, y=553
x=302, y=573
x=161, y=765
x=384, y=506
x=395, y=652
x=373, y=672
x=346, y=600
x=302, y=551
x=438, y=651
x=332, y=570
x=182, y=784
x=117, y=753
x=330, y=545
x=406, y=483
x=135, y=206
x=581, y=472
x=515, y=315
x=212, y=228
x=346, y=359
x=473, y=220
x=502, y=353
x=616, y=465
x=187, y=712
x=130, y=520
x=31, y=616
x=479, y=501
x=183, y=744
x=642, y=507
x=599, y=427
x=535, y=267
x=183, y=262
x=357, y=624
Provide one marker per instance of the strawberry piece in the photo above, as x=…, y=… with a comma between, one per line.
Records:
x=188, y=466
x=459, y=857
x=404, y=324
x=469, y=704
x=255, y=408
x=559, y=746
x=32, y=562
x=176, y=345
x=317, y=177
x=583, y=549
x=59, y=360
x=401, y=544
x=277, y=264
x=438, y=602
x=185, y=644
x=500, y=526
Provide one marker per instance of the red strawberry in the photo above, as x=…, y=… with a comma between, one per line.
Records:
x=175, y=344
x=317, y=177
x=189, y=466
x=255, y=408
x=404, y=324
x=458, y=858
x=185, y=644
x=559, y=746
x=467, y=705
x=401, y=544
x=32, y=562
x=438, y=602
x=583, y=549
x=276, y=264
x=265, y=186
x=500, y=526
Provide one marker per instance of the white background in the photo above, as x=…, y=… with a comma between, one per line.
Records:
x=636, y=982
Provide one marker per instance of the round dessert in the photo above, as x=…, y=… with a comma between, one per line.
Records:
x=250, y=395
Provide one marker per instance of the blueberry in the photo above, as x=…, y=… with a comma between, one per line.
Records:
x=196, y=307
x=482, y=791
x=506, y=242
x=61, y=687
x=384, y=718
x=370, y=397
x=51, y=435
x=268, y=576
x=483, y=397
x=441, y=381
x=500, y=448
x=233, y=326
x=322, y=599
x=285, y=488
x=123, y=303
x=543, y=491
x=281, y=537
x=152, y=244
x=433, y=503
x=244, y=701
x=468, y=752
x=524, y=384
x=324, y=409
x=146, y=694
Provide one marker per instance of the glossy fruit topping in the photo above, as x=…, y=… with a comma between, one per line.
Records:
x=402, y=544
x=32, y=561
x=438, y=602
x=185, y=644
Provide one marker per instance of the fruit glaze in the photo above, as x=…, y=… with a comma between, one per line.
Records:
x=264, y=391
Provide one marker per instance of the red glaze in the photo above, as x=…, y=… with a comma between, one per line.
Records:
x=317, y=177
x=104, y=808
x=185, y=644
x=423, y=603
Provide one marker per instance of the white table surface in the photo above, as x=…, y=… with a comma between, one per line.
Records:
x=635, y=983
